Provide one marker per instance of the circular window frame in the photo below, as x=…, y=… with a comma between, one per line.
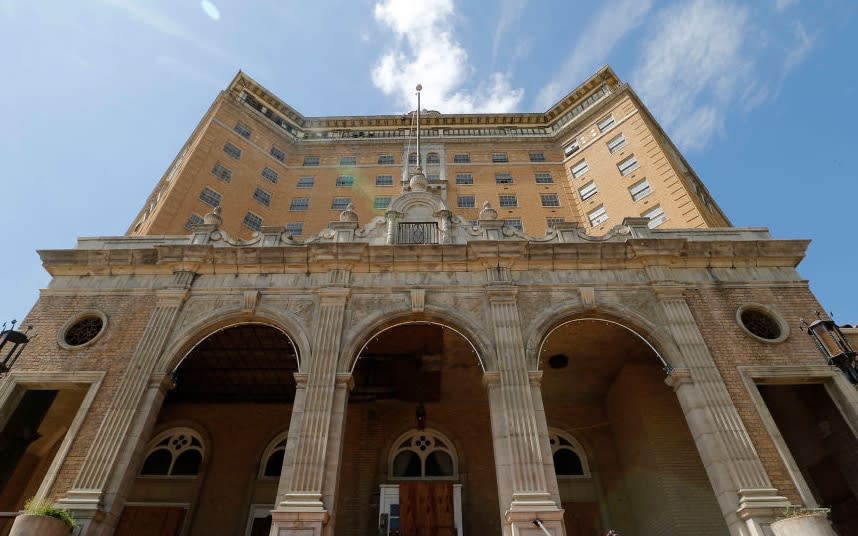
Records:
x=771, y=313
x=61, y=334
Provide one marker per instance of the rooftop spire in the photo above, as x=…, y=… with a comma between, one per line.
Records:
x=418, y=180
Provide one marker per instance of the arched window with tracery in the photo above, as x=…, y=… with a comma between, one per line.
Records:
x=272, y=458
x=176, y=452
x=423, y=454
x=568, y=455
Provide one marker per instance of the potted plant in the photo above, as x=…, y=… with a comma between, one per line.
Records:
x=43, y=518
x=798, y=521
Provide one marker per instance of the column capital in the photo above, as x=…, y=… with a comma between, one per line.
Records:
x=333, y=295
x=491, y=379
x=346, y=379
x=171, y=297
x=679, y=377
x=502, y=293
x=669, y=292
x=301, y=379
x=535, y=377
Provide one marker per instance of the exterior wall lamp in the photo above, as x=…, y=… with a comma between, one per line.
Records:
x=12, y=343
x=833, y=345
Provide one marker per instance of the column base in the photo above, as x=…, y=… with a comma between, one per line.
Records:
x=532, y=502
x=298, y=523
x=536, y=523
x=759, y=507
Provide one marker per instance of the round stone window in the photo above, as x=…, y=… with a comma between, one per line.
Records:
x=82, y=330
x=762, y=323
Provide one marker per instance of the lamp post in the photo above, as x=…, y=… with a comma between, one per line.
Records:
x=833, y=345
x=12, y=343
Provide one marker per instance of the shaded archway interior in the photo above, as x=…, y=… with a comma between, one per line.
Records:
x=400, y=368
x=233, y=396
x=249, y=363
x=603, y=384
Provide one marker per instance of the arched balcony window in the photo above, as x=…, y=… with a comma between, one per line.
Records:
x=176, y=452
x=272, y=458
x=423, y=454
x=568, y=455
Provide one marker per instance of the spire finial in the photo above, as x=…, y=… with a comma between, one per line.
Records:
x=419, y=89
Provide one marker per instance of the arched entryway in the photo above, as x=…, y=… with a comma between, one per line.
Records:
x=604, y=394
x=209, y=466
x=418, y=432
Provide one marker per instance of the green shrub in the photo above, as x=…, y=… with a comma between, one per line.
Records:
x=46, y=508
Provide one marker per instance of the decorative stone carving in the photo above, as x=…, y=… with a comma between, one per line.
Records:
x=213, y=218
x=487, y=212
x=349, y=214
x=418, y=300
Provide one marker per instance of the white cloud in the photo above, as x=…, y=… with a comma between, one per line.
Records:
x=591, y=50
x=694, y=67
x=781, y=5
x=426, y=52
x=210, y=9
x=510, y=11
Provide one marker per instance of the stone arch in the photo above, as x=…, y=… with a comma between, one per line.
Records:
x=174, y=424
x=183, y=343
x=360, y=334
x=656, y=337
x=418, y=206
x=446, y=445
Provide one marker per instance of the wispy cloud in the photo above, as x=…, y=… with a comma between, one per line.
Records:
x=210, y=9
x=781, y=5
x=803, y=45
x=694, y=67
x=601, y=34
x=510, y=11
x=426, y=51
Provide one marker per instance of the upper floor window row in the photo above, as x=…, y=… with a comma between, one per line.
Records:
x=544, y=178
x=348, y=160
x=278, y=154
x=345, y=181
x=605, y=123
x=628, y=165
x=433, y=158
x=270, y=175
x=222, y=172
x=579, y=169
x=311, y=160
x=233, y=151
x=536, y=157
x=242, y=130
x=306, y=182
x=503, y=178
x=461, y=159
x=385, y=159
x=499, y=158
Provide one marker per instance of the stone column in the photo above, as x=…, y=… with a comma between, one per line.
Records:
x=133, y=405
x=314, y=443
x=739, y=480
x=520, y=452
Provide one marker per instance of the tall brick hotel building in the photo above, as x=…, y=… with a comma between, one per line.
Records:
x=533, y=323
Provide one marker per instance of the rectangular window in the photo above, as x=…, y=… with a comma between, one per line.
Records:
x=549, y=200
x=433, y=158
x=587, y=191
x=605, y=123
x=466, y=201
x=551, y=222
x=348, y=160
x=656, y=216
x=242, y=130
x=295, y=228
x=222, y=172
x=270, y=175
x=262, y=197
x=233, y=151
x=461, y=159
x=412, y=158
x=433, y=178
x=628, y=165
x=508, y=200
x=381, y=202
x=579, y=169
x=640, y=189
x=617, y=143
x=464, y=178
x=278, y=154
x=340, y=203
x=515, y=223
x=537, y=157
x=210, y=197
x=385, y=159
x=345, y=181
x=384, y=180
x=499, y=158
x=306, y=182
x=571, y=149
x=300, y=204
x=544, y=178
x=597, y=216
x=503, y=178
x=252, y=221
x=311, y=160
x=193, y=219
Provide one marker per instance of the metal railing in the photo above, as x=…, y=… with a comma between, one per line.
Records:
x=418, y=233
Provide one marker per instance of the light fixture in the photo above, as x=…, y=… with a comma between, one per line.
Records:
x=421, y=416
x=833, y=345
x=16, y=340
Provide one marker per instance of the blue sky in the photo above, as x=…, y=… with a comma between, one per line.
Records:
x=99, y=95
